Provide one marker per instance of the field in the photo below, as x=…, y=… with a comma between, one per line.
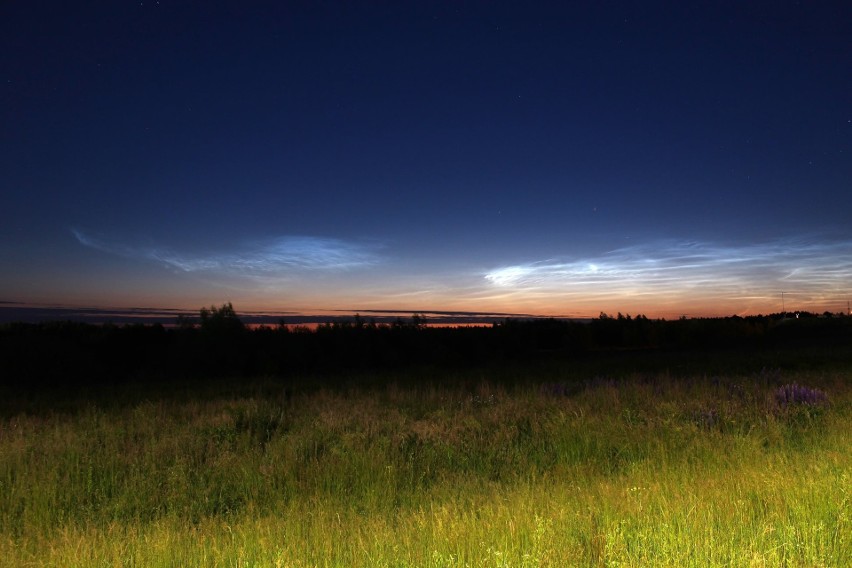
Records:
x=542, y=467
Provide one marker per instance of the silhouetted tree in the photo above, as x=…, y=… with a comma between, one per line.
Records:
x=220, y=320
x=418, y=321
x=184, y=322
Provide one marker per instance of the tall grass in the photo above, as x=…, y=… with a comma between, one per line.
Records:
x=648, y=470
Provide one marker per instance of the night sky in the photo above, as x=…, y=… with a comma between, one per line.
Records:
x=553, y=159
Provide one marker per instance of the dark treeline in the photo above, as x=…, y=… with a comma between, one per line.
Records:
x=219, y=345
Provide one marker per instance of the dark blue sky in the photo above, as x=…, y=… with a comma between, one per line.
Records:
x=554, y=158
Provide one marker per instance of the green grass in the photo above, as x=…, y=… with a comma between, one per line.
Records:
x=645, y=471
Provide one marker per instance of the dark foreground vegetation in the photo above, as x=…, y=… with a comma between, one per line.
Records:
x=218, y=345
x=617, y=442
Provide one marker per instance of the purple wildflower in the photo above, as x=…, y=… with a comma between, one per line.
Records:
x=796, y=394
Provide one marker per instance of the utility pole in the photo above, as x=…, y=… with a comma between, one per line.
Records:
x=783, y=309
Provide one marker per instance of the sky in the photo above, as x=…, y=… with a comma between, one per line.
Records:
x=557, y=159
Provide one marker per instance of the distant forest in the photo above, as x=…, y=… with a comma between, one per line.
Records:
x=218, y=344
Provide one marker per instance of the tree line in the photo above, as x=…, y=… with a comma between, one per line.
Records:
x=218, y=344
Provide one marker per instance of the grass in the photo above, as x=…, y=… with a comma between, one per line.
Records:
x=646, y=470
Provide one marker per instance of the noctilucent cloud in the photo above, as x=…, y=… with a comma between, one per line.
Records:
x=532, y=158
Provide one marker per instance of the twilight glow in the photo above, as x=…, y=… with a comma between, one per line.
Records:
x=549, y=159
x=663, y=278
x=278, y=256
x=692, y=278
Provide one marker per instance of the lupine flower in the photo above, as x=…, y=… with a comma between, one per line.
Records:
x=796, y=394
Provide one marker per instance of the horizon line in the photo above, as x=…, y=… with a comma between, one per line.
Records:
x=34, y=312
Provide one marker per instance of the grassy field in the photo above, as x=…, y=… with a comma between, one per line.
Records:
x=644, y=470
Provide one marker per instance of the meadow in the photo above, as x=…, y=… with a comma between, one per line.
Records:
x=522, y=465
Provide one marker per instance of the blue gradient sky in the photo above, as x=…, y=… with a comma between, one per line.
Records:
x=547, y=158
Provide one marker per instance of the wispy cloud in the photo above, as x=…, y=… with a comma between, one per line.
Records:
x=270, y=257
x=669, y=272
